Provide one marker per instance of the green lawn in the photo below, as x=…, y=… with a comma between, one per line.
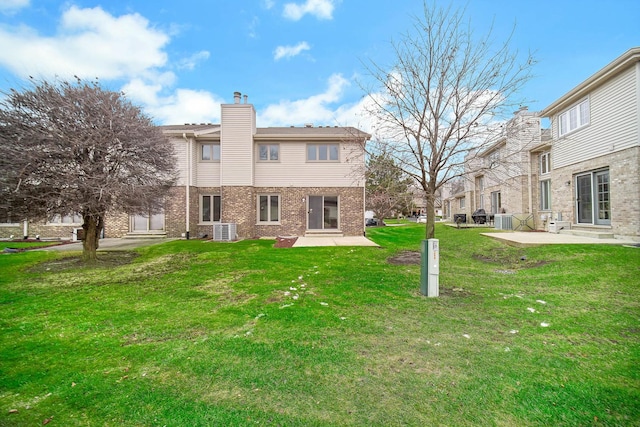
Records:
x=193, y=333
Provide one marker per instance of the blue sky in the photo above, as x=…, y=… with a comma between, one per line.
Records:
x=298, y=61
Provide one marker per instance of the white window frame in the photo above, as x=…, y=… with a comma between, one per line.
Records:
x=545, y=195
x=545, y=163
x=75, y=219
x=269, y=153
x=574, y=118
x=215, y=152
x=463, y=202
x=212, y=208
x=496, y=202
x=323, y=150
x=269, y=199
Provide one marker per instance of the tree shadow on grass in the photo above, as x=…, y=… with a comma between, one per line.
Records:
x=107, y=259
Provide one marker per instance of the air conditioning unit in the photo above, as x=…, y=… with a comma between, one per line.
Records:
x=556, y=226
x=503, y=221
x=224, y=232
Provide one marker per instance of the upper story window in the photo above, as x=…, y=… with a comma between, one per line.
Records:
x=322, y=152
x=210, y=152
x=493, y=159
x=462, y=203
x=574, y=118
x=66, y=219
x=269, y=152
x=545, y=163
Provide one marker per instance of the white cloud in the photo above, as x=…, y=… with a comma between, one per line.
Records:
x=182, y=106
x=10, y=6
x=268, y=4
x=90, y=43
x=290, y=51
x=320, y=109
x=321, y=9
x=191, y=62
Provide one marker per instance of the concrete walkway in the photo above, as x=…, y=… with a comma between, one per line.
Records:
x=524, y=239
x=333, y=241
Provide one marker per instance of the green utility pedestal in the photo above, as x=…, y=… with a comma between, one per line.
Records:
x=430, y=268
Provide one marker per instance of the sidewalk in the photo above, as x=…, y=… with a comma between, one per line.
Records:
x=333, y=241
x=531, y=238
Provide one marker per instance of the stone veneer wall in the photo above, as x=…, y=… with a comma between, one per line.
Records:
x=239, y=207
x=624, y=184
x=16, y=231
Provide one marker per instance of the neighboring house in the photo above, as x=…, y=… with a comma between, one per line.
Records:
x=265, y=182
x=498, y=178
x=583, y=173
x=593, y=163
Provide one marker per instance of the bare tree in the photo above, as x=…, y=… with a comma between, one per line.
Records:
x=443, y=97
x=75, y=148
x=387, y=187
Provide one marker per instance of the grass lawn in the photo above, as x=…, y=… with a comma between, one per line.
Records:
x=193, y=333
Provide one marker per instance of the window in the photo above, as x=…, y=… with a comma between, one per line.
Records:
x=574, y=118
x=269, y=152
x=66, y=219
x=545, y=195
x=210, y=152
x=545, y=163
x=268, y=208
x=209, y=208
x=496, y=202
x=493, y=159
x=322, y=152
x=6, y=218
x=462, y=203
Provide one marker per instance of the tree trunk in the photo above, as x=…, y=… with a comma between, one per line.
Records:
x=431, y=215
x=92, y=227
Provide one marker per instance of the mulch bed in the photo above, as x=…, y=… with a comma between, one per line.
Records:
x=285, y=242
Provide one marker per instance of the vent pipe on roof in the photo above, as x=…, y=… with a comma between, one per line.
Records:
x=308, y=125
x=236, y=97
x=245, y=98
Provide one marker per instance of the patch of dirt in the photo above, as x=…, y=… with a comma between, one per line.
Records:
x=106, y=259
x=285, y=242
x=405, y=258
x=512, y=261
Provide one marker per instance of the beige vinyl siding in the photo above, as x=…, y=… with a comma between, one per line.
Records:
x=236, y=145
x=180, y=150
x=294, y=170
x=612, y=125
x=207, y=174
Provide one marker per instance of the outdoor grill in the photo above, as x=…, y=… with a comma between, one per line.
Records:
x=479, y=216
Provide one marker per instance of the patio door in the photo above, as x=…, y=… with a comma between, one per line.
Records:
x=593, y=198
x=323, y=213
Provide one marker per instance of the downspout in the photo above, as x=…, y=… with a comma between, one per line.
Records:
x=529, y=178
x=187, y=184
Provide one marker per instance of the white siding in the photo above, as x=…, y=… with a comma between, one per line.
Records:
x=236, y=144
x=180, y=149
x=293, y=170
x=612, y=127
x=207, y=174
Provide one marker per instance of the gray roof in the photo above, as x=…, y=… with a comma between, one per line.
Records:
x=307, y=132
x=311, y=132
